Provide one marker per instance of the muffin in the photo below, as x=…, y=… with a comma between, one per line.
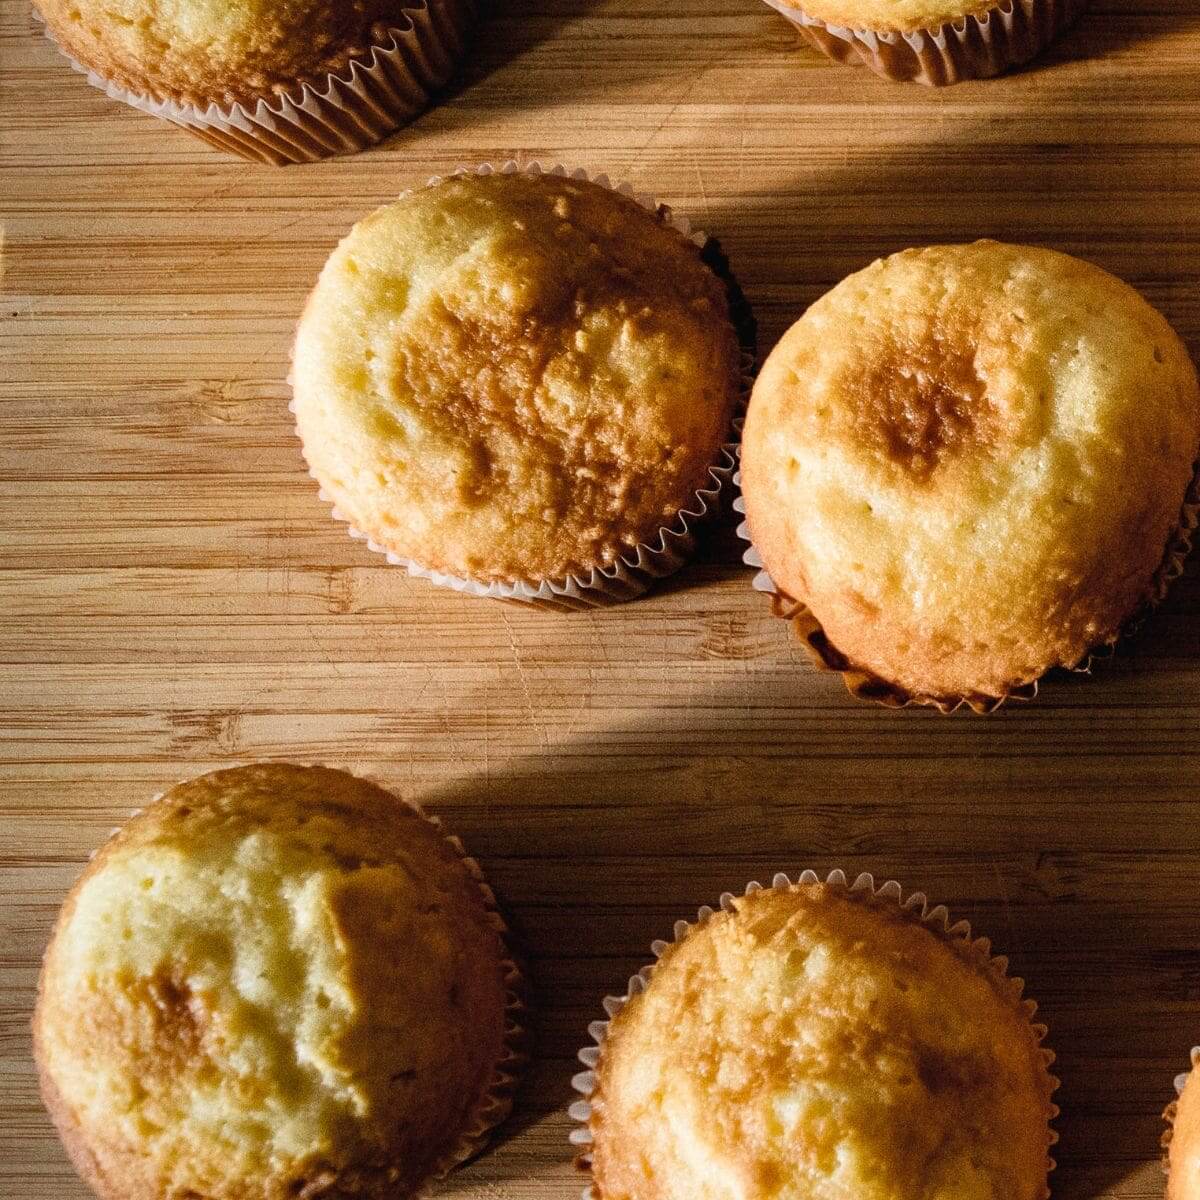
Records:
x=510, y=378
x=812, y=1041
x=1182, y=1141
x=969, y=464
x=935, y=42
x=273, y=80
x=276, y=981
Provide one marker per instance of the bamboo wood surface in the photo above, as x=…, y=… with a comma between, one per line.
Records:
x=174, y=597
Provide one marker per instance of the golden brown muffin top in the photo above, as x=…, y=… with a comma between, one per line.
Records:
x=514, y=377
x=275, y=982
x=201, y=52
x=968, y=461
x=899, y=16
x=808, y=1045
x=1183, y=1153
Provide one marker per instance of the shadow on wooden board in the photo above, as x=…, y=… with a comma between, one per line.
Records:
x=789, y=243
x=594, y=854
x=1106, y=28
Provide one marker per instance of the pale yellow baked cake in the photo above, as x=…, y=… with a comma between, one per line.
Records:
x=1183, y=1152
x=276, y=982
x=812, y=1046
x=900, y=16
x=513, y=377
x=968, y=462
x=217, y=51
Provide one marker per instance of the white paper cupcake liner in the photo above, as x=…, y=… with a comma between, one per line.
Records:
x=1170, y=1111
x=638, y=568
x=347, y=111
x=935, y=918
x=496, y=1100
x=867, y=686
x=973, y=47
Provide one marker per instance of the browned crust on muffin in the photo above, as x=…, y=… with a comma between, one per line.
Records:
x=551, y=393
x=303, y=42
x=1182, y=1138
x=65, y=1123
x=626, y=1166
x=117, y=1170
x=931, y=408
x=911, y=16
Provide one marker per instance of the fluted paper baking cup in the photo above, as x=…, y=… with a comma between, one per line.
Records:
x=867, y=686
x=936, y=918
x=971, y=47
x=637, y=568
x=496, y=1099
x=1172, y=1109
x=346, y=111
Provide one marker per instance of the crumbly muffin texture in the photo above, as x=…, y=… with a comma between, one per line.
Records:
x=900, y=16
x=811, y=1046
x=968, y=462
x=513, y=376
x=276, y=982
x=217, y=51
x=1183, y=1154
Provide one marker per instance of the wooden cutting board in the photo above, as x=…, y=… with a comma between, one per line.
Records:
x=174, y=597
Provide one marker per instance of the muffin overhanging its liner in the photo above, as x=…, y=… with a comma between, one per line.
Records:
x=496, y=1099
x=347, y=111
x=636, y=569
x=868, y=686
x=936, y=919
x=1172, y=1108
x=971, y=47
